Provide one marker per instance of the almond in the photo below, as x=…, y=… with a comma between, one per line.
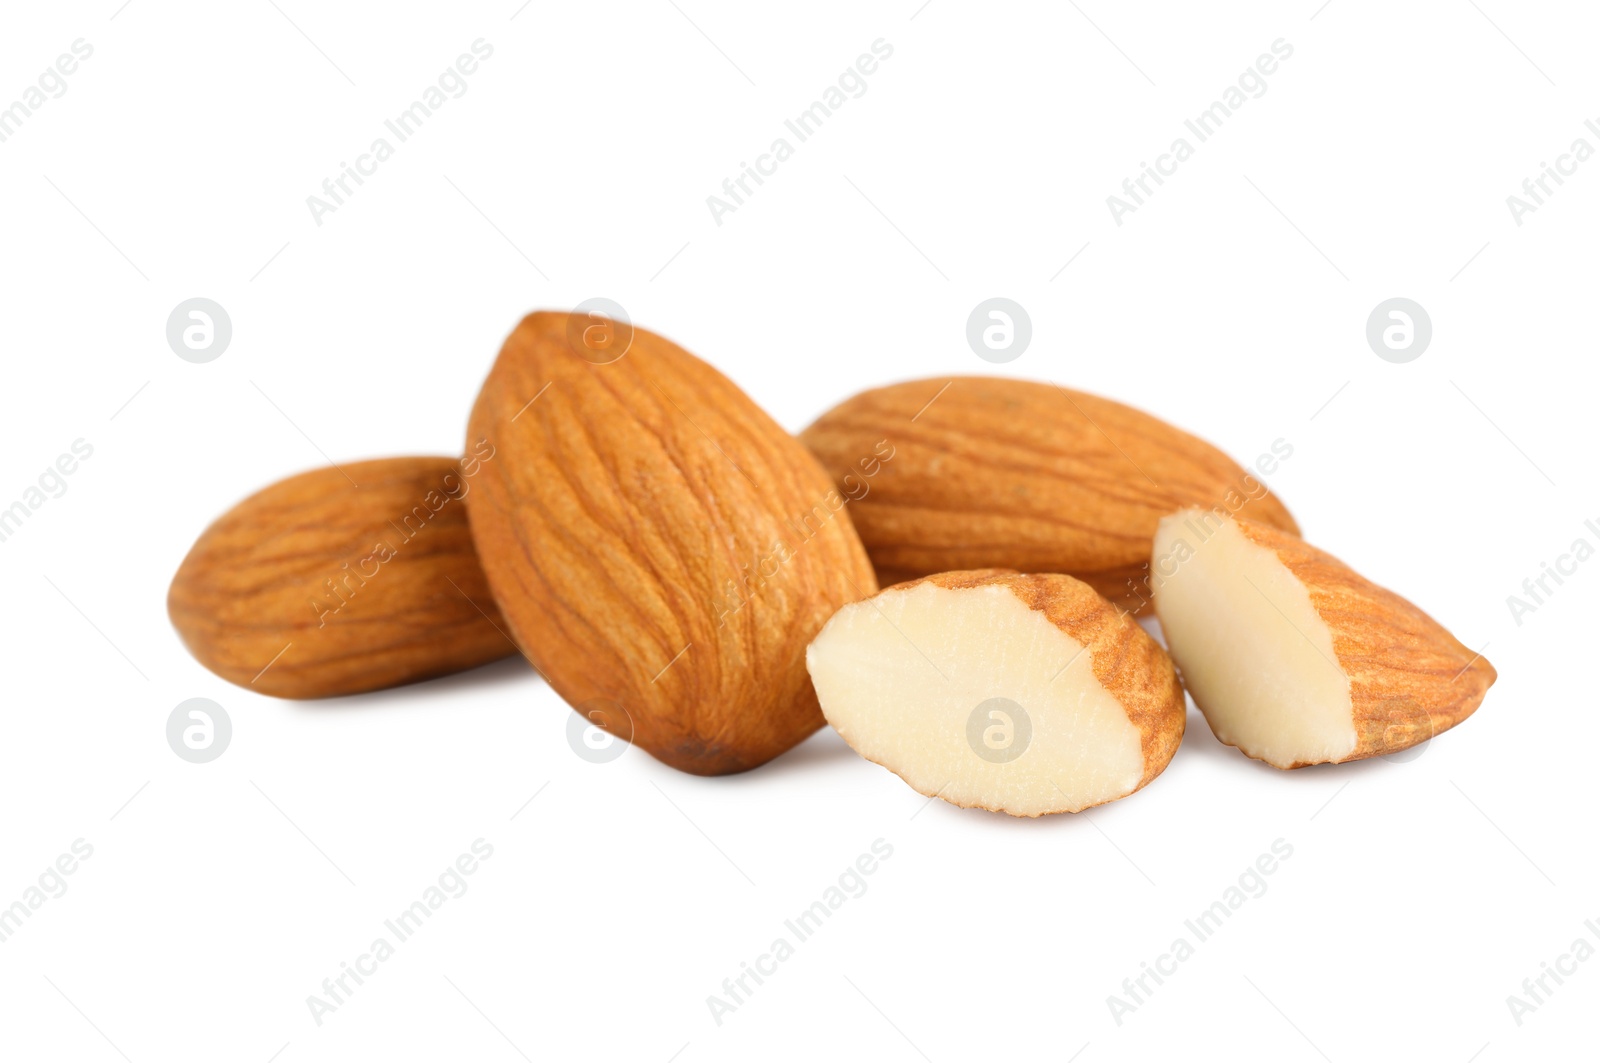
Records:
x=1296, y=659
x=662, y=550
x=1019, y=694
x=315, y=587
x=989, y=472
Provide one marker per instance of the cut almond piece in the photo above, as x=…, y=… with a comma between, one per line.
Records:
x=1019, y=694
x=1292, y=656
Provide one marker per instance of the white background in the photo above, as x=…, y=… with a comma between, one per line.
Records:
x=1419, y=895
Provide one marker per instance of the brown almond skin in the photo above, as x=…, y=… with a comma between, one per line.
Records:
x=1130, y=664
x=662, y=550
x=257, y=582
x=1410, y=679
x=992, y=472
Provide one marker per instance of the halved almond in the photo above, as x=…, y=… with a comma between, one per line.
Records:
x=990, y=689
x=1293, y=657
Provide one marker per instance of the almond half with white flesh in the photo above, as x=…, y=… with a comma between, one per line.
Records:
x=1296, y=659
x=1014, y=693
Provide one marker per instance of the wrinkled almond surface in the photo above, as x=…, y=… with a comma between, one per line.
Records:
x=1006, y=473
x=315, y=587
x=662, y=550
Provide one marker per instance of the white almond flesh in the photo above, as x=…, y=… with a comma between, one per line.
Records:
x=1020, y=694
x=1293, y=657
x=1252, y=647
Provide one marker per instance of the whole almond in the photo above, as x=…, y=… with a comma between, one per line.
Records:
x=986, y=472
x=316, y=587
x=662, y=550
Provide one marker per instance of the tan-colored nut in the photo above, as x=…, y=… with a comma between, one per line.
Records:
x=315, y=587
x=662, y=550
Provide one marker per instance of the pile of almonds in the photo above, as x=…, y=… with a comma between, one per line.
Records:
x=692, y=578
